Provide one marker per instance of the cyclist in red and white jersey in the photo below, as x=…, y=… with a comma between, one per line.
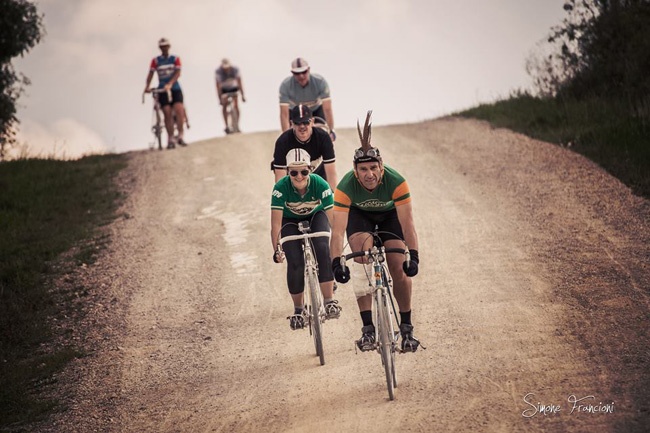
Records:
x=168, y=68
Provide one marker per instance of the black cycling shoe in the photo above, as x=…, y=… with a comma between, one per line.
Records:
x=409, y=343
x=296, y=321
x=367, y=340
x=332, y=310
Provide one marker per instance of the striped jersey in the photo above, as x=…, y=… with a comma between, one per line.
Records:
x=392, y=191
x=286, y=198
x=166, y=67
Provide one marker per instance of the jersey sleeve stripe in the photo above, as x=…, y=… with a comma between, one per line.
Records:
x=403, y=200
x=401, y=190
x=329, y=161
x=341, y=198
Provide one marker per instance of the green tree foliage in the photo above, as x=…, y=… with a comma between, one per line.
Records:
x=21, y=28
x=602, y=48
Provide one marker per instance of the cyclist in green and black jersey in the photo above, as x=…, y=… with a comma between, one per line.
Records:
x=373, y=194
x=303, y=196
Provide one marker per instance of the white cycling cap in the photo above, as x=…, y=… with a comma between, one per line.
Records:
x=163, y=42
x=298, y=157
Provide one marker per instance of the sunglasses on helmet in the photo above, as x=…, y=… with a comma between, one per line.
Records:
x=294, y=173
x=373, y=152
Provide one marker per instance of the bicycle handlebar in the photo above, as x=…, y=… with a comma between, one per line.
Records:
x=302, y=236
x=169, y=93
x=370, y=252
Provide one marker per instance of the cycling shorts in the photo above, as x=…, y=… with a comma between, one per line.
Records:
x=362, y=221
x=177, y=96
x=230, y=90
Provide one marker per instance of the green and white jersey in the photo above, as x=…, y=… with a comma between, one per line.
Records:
x=293, y=205
x=392, y=191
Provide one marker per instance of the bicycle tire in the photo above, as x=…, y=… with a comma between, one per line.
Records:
x=314, y=319
x=234, y=117
x=158, y=134
x=386, y=345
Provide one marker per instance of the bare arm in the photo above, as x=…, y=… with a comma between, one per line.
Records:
x=279, y=174
x=405, y=217
x=241, y=89
x=149, y=78
x=338, y=232
x=219, y=92
x=174, y=78
x=276, y=226
x=329, y=115
x=284, y=117
x=330, y=173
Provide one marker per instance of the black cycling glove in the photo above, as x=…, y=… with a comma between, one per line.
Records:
x=412, y=269
x=341, y=276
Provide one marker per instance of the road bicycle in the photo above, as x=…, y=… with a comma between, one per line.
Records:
x=157, y=117
x=315, y=307
x=232, y=116
x=157, y=124
x=380, y=286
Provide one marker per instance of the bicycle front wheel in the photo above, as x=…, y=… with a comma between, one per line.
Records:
x=386, y=344
x=314, y=320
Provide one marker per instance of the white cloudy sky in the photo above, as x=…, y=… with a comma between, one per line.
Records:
x=407, y=60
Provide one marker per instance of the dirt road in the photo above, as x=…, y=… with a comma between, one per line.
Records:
x=533, y=287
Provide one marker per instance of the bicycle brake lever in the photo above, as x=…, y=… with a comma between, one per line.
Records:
x=343, y=262
x=407, y=256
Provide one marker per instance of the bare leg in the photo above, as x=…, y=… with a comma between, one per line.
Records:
x=298, y=300
x=179, y=110
x=328, y=289
x=401, y=283
x=169, y=122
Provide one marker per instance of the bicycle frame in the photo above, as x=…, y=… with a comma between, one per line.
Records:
x=313, y=297
x=232, y=117
x=381, y=283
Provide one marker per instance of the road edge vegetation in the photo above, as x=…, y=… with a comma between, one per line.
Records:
x=52, y=215
x=591, y=89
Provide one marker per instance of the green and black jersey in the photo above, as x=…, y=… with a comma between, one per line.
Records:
x=392, y=191
x=293, y=205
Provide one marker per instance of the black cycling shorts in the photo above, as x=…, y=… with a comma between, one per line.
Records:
x=177, y=96
x=293, y=252
x=362, y=221
x=232, y=90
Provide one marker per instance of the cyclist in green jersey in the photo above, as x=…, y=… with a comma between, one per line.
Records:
x=303, y=196
x=375, y=195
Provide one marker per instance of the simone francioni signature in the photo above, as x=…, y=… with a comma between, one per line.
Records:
x=573, y=405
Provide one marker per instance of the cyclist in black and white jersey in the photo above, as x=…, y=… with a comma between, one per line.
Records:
x=315, y=141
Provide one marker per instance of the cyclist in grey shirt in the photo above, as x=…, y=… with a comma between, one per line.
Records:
x=303, y=87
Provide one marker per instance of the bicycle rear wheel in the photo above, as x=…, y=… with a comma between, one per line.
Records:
x=386, y=344
x=314, y=320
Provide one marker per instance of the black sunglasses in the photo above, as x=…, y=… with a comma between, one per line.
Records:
x=294, y=173
x=304, y=122
x=299, y=73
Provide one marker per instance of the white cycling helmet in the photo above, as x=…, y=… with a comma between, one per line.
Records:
x=298, y=157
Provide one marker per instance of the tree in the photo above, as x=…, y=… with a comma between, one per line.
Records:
x=21, y=28
x=601, y=48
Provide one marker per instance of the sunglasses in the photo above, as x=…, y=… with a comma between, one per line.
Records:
x=299, y=73
x=294, y=173
x=304, y=122
x=373, y=152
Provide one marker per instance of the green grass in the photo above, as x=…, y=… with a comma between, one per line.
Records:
x=46, y=208
x=610, y=132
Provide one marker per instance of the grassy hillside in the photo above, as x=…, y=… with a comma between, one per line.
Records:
x=46, y=208
x=610, y=132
